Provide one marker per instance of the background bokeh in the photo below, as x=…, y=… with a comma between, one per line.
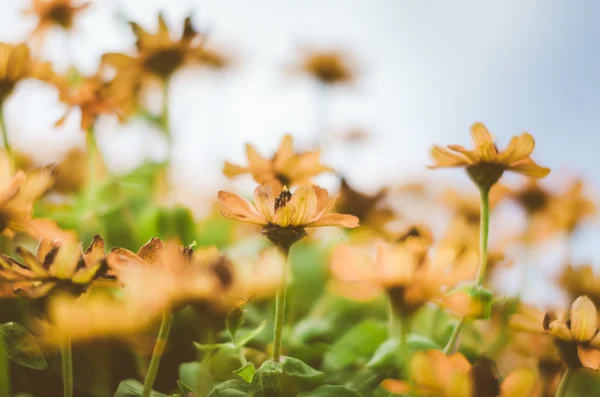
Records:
x=427, y=71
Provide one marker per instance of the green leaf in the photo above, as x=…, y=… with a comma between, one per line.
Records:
x=385, y=355
x=231, y=388
x=311, y=330
x=196, y=374
x=133, y=388
x=331, y=391
x=267, y=382
x=215, y=346
x=21, y=347
x=246, y=372
x=183, y=388
x=301, y=371
x=251, y=335
x=359, y=343
x=419, y=342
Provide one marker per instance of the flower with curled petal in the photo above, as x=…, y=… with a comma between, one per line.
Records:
x=286, y=167
x=575, y=334
x=486, y=164
x=284, y=215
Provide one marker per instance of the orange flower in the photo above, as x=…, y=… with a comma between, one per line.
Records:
x=284, y=215
x=52, y=13
x=327, y=67
x=404, y=271
x=570, y=210
x=581, y=280
x=436, y=374
x=16, y=64
x=575, y=334
x=286, y=167
x=485, y=164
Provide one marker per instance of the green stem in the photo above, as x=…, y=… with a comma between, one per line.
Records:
x=4, y=371
x=451, y=345
x=159, y=348
x=484, y=230
x=7, y=146
x=562, y=388
x=280, y=308
x=391, y=320
x=92, y=153
x=164, y=117
x=67, y=365
x=242, y=357
x=404, y=330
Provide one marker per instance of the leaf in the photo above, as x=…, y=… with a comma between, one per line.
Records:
x=233, y=321
x=358, y=343
x=385, y=355
x=246, y=372
x=133, y=388
x=196, y=374
x=231, y=388
x=20, y=346
x=299, y=370
x=183, y=388
x=215, y=346
x=331, y=391
x=267, y=382
x=312, y=330
x=251, y=335
x=419, y=342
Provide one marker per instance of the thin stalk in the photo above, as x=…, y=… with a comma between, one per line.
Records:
x=92, y=154
x=4, y=371
x=164, y=117
x=159, y=348
x=451, y=345
x=404, y=331
x=391, y=320
x=280, y=308
x=562, y=388
x=67, y=365
x=484, y=230
x=7, y=146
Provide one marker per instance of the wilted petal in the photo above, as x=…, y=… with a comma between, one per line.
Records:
x=87, y=274
x=583, y=319
x=589, y=357
x=151, y=251
x=95, y=251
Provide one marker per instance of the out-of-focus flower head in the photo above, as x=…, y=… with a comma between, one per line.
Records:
x=436, y=374
x=569, y=210
x=575, y=333
x=327, y=67
x=403, y=270
x=94, y=96
x=486, y=164
x=369, y=209
x=581, y=280
x=18, y=192
x=16, y=64
x=467, y=206
x=285, y=168
x=284, y=215
x=59, y=267
x=55, y=13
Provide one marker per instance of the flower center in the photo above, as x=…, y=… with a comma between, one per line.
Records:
x=61, y=15
x=164, y=62
x=283, y=198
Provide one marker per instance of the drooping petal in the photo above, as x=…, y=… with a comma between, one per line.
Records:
x=265, y=202
x=529, y=168
x=444, y=158
x=519, y=148
x=235, y=207
x=120, y=258
x=583, y=319
x=343, y=220
x=589, y=357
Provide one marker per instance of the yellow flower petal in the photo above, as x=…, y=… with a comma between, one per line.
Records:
x=529, y=168
x=583, y=319
x=445, y=158
x=235, y=207
x=589, y=357
x=522, y=382
x=151, y=251
x=519, y=148
x=231, y=170
x=560, y=330
x=304, y=200
x=343, y=220
x=480, y=134
x=265, y=202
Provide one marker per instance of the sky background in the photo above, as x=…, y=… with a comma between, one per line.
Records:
x=427, y=69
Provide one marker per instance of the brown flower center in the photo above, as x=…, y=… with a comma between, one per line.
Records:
x=284, y=179
x=61, y=15
x=164, y=62
x=533, y=200
x=485, y=175
x=283, y=198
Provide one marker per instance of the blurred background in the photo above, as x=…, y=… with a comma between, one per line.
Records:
x=425, y=71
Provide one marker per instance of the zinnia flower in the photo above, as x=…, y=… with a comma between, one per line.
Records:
x=286, y=167
x=284, y=215
x=52, y=13
x=575, y=334
x=486, y=164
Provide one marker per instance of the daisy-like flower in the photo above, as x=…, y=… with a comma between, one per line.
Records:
x=51, y=13
x=327, y=67
x=18, y=192
x=284, y=215
x=575, y=333
x=59, y=267
x=581, y=280
x=439, y=375
x=285, y=167
x=569, y=210
x=16, y=64
x=404, y=271
x=486, y=164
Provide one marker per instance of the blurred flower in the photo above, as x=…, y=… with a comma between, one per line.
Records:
x=16, y=64
x=532, y=197
x=94, y=97
x=436, y=374
x=467, y=206
x=579, y=281
x=327, y=67
x=18, y=192
x=52, y=13
x=368, y=209
x=285, y=168
x=485, y=165
x=575, y=334
x=568, y=211
x=404, y=271
x=71, y=172
x=284, y=215
x=59, y=267
x=416, y=232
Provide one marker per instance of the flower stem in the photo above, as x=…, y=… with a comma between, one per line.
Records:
x=404, y=330
x=67, y=365
x=280, y=308
x=484, y=230
x=4, y=370
x=7, y=146
x=562, y=388
x=159, y=348
x=451, y=345
x=92, y=154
